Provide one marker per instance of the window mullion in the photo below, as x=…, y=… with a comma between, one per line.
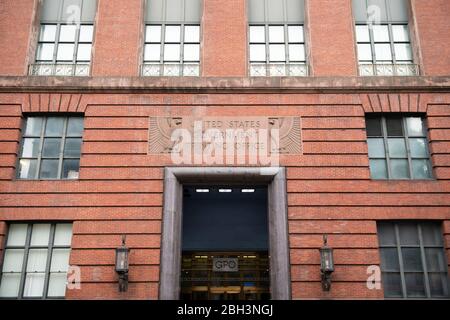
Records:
x=181, y=72
x=75, y=45
x=400, y=260
x=49, y=259
x=266, y=38
x=41, y=145
x=391, y=41
x=386, y=146
x=286, y=48
x=25, y=261
x=55, y=51
x=408, y=149
x=372, y=44
x=61, y=148
x=424, y=262
x=163, y=48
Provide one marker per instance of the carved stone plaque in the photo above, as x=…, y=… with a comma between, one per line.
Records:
x=162, y=128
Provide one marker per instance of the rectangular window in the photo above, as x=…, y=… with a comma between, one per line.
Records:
x=36, y=260
x=398, y=147
x=65, y=41
x=383, y=46
x=276, y=38
x=172, y=38
x=413, y=262
x=51, y=148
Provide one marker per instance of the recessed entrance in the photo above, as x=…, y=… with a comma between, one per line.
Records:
x=274, y=254
x=225, y=243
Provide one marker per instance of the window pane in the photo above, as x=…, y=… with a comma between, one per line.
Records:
x=40, y=234
x=399, y=169
x=57, y=285
x=362, y=34
x=72, y=147
x=55, y=126
x=37, y=260
x=389, y=259
x=51, y=148
x=415, y=126
x=30, y=148
x=435, y=259
x=172, y=34
x=378, y=169
x=71, y=169
x=438, y=284
x=419, y=147
x=373, y=127
x=383, y=52
x=400, y=33
x=84, y=52
x=392, y=284
x=276, y=34
x=296, y=52
x=394, y=127
x=295, y=34
x=277, y=53
x=65, y=52
x=27, y=169
x=17, y=234
x=397, y=148
x=364, y=52
x=34, y=285
x=257, y=34
x=152, y=52
x=421, y=169
x=192, y=34
x=13, y=260
x=67, y=33
x=431, y=234
x=47, y=33
x=172, y=52
x=9, y=286
x=414, y=285
x=33, y=126
x=86, y=33
x=63, y=234
x=60, y=260
x=75, y=127
x=386, y=234
x=408, y=234
x=192, y=52
x=153, y=34
x=412, y=260
x=403, y=51
x=380, y=33
x=376, y=148
x=45, y=52
x=49, y=169
x=257, y=52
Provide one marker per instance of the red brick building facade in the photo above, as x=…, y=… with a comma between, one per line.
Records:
x=120, y=188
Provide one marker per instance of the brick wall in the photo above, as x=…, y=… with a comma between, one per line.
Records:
x=16, y=29
x=432, y=27
x=329, y=187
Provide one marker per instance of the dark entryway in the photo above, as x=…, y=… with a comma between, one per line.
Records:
x=225, y=243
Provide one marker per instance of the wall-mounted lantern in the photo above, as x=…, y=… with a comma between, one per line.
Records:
x=122, y=265
x=326, y=264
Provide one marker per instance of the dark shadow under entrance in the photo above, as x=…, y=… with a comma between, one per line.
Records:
x=225, y=243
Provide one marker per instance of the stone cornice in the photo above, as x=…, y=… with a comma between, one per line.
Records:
x=12, y=84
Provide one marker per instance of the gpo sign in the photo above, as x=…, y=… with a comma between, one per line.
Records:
x=225, y=264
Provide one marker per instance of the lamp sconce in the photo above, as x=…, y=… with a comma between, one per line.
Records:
x=122, y=253
x=326, y=264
